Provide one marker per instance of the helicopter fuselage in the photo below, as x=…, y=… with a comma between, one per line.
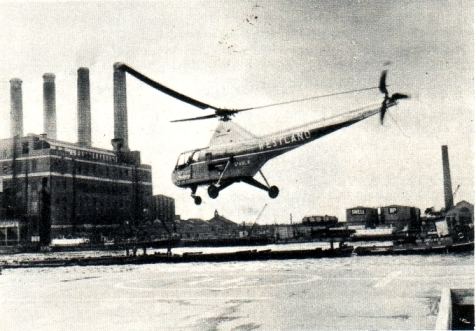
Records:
x=241, y=159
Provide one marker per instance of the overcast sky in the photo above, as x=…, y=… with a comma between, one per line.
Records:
x=247, y=53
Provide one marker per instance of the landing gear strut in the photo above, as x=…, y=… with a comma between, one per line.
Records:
x=196, y=198
x=273, y=191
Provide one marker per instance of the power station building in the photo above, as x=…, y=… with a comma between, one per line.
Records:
x=88, y=187
x=54, y=187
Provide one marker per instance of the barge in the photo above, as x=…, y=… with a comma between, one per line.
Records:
x=249, y=255
x=411, y=249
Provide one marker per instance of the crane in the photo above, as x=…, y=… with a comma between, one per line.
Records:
x=457, y=188
x=256, y=220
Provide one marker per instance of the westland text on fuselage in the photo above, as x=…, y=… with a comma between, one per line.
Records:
x=286, y=140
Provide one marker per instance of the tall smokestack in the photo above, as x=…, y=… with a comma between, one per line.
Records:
x=84, y=108
x=120, y=109
x=49, y=105
x=16, y=108
x=447, y=178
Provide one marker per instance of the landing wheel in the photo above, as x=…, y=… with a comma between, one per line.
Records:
x=273, y=192
x=213, y=191
x=197, y=200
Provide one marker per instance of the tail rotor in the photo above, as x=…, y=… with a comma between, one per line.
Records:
x=388, y=100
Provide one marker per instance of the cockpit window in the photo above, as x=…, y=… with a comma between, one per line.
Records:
x=181, y=160
x=187, y=158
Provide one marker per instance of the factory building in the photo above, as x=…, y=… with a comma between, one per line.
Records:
x=57, y=188
x=217, y=227
x=162, y=207
x=285, y=232
x=460, y=221
x=461, y=213
x=362, y=217
x=317, y=220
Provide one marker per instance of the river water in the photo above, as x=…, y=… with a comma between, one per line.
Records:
x=357, y=293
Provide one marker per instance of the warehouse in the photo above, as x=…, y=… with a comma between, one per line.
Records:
x=162, y=207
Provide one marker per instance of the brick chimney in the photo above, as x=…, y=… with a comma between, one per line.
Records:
x=49, y=105
x=120, y=141
x=84, y=108
x=16, y=108
x=448, y=190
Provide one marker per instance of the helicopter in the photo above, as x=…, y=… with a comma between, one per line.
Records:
x=236, y=155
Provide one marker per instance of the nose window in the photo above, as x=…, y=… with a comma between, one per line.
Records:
x=186, y=159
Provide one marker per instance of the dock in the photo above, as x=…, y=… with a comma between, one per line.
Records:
x=456, y=310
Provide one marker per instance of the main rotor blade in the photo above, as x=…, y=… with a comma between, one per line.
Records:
x=383, y=83
x=224, y=112
x=195, y=118
x=305, y=99
x=163, y=88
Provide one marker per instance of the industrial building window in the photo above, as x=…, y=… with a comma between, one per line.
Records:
x=24, y=147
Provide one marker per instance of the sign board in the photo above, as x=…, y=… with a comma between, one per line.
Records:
x=357, y=211
x=35, y=239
